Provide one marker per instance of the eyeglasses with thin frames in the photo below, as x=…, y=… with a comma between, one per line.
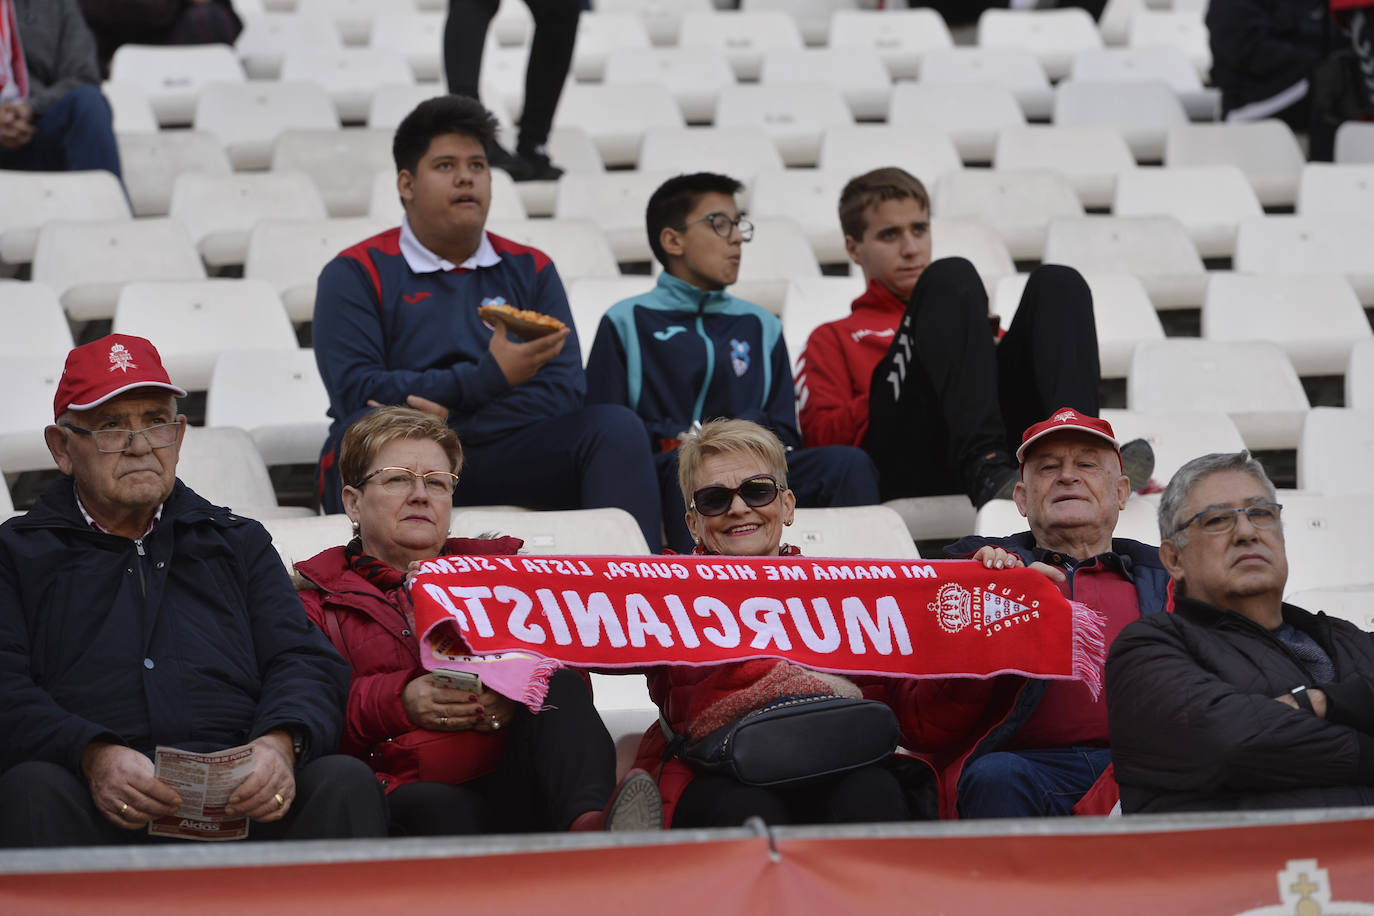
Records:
x=399, y=481
x=721, y=225
x=756, y=492
x=120, y=440
x=1215, y=520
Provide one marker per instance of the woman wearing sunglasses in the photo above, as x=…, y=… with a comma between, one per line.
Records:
x=733, y=475
x=454, y=758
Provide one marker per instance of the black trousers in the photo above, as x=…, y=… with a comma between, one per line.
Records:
x=557, y=764
x=43, y=804
x=867, y=795
x=551, y=52
x=946, y=402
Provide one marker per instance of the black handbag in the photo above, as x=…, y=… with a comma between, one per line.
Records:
x=792, y=740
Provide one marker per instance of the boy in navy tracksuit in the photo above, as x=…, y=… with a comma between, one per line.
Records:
x=687, y=352
x=396, y=322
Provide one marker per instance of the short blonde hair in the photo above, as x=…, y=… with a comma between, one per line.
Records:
x=875, y=187
x=724, y=437
x=370, y=434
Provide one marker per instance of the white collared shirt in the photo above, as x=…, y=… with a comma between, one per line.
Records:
x=157, y=517
x=423, y=261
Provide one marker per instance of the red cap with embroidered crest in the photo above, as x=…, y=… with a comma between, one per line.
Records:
x=106, y=368
x=1066, y=419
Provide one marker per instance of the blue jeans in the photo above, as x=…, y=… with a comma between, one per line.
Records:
x=74, y=134
x=1045, y=783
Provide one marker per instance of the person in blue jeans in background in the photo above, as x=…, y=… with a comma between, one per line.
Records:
x=397, y=322
x=687, y=352
x=52, y=115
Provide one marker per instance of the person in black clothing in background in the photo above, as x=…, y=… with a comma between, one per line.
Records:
x=555, y=31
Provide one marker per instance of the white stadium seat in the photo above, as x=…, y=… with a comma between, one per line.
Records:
x=193, y=321
x=615, y=116
x=576, y=247
x=299, y=539
x=1209, y=200
x=1182, y=29
x=1122, y=312
x=741, y=152
x=1316, y=319
x=972, y=113
x=222, y=465
x=1130, y=65
x=1330, y=189
x=417, y=36
x=289, y=255
x=1016, y=204
x=899, y=37
x=1354, y=603
x=33, y=198
x=350, y=75
x=574, y=531
x=1176, y=435
x=1326, y=537
x=856, y=531
x=812, y=16
x=601, y=34
x=1287, y=245
x=860, y=77
x=795, y=115
x=1266, y=151
x=1359, y=376
x=277, y=396
x=1054, y=36
x=926, y=152
x=29, y=381
x=1143, y=112
x=249, y=117
x=34, y=323
x=219, y=211
x=352, y=18
x=1253, y=382
x=1090, y=157
x=132, y=112
x=151, y=162
x=590, y=297
x=779, y=251
x=87, y=264
x=1337, y=451
x=170, y=76
x=392, y=102
x=1015, y=68
x=810, y=302
x=268, y=37
x=744, y=37
x=663, y=18
x=615, y=202
x=975, y=240
x=808, y=197
x=1138, y=521
x=1355, y=142
x=694, y=76
x=341, y=164
x=931, y=518
x=1156, y=249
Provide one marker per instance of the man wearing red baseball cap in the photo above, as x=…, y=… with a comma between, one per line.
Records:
x=1013, y=746
x=136, y=614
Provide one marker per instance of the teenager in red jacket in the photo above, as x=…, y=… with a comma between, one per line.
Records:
x=914, y=376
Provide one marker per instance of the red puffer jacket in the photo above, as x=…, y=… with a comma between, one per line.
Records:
x=384, y=655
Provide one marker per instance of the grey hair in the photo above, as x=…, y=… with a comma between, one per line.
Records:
x=1175, y=499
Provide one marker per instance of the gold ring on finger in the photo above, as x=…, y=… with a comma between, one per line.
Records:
x=443, y=721
x=281, y=802
x=123, y=809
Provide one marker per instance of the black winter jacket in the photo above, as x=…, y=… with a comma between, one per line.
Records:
x=1262, y=47
x=192, y=636
x=1194, y=726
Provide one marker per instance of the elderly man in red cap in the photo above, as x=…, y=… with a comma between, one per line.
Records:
x=1013, y=746
x=134, y=614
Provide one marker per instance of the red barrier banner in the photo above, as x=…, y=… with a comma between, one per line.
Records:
x=879, y=617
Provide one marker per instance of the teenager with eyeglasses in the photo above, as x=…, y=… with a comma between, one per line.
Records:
x=688, y=351
x=733, y=476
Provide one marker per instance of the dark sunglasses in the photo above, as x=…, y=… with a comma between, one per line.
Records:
x=756, y=492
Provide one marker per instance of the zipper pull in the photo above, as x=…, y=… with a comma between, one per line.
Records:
x=138, y=545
